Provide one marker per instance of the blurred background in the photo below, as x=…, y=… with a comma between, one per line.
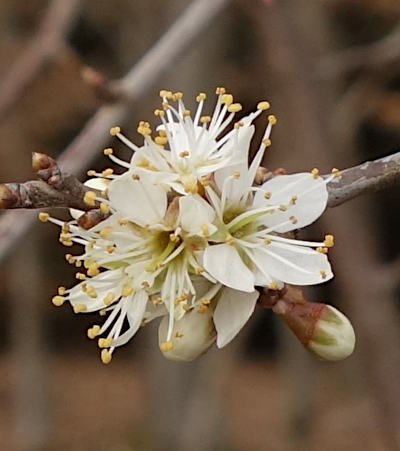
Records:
x=331, y=71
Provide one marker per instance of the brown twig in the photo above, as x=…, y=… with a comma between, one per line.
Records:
x=368, y=177
x=44, y=46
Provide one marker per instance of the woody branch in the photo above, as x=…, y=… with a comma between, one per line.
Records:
x=61, y=189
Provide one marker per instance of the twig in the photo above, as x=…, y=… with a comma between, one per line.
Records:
x=55, y=189
x=134, y=85
x=368, y=177
x=44, y=46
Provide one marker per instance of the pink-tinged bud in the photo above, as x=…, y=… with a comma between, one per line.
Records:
x=192, y=335
x=321, y=328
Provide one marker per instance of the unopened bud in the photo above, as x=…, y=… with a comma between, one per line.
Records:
x=321, y=328
x=192, y=335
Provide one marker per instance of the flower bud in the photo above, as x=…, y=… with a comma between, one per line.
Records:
x=321, y=328
x=192, y=335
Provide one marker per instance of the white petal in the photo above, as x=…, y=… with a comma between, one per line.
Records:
x=312, y=197
x=138, y=200
x=135, y=315
x=233, y=310
x=293, y=264
x=223, y=262
x=236, y=187
x=194, y=212
x=196, y=333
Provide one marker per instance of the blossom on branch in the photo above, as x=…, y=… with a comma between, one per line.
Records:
x=187, y=236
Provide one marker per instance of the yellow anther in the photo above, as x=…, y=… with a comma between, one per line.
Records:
x=123, y=222
x=43, y=216
x=236, y=175
x=267, y=195
x=186, y=113
x=103, y=312
x=205, y=230
x=165, y=93
x=108, y=151
x=105, y=232
x=66, y=242
x=336, y=172
x=177, y=96
x=93, y=269
x=205, y=119
x=107, y=172
x=178, y=335
x=202, y=309
x=127, y=290
x=162, y=133
x=104, y=342
x=323, y=274
x=315, y=173
x=205, y=301
x=110, y=248
x=58, y=301
x=173, y=237
x=91, y=292
x=263, y=106
x=227, y=99
x=167, y=346
x=91, y=172
x=293, y=200
x=273, y=285
x=267, y=142
x=160, y=140
x=114, y=131
x=238, y=124
x=93, y=332
x=184, y=153
x=106, y=356
x=235, y=108
x=282, y=207
x=104, y=208
x=80, y=276
x=198, y=270
x=322, y=250
x=61, y=291
x=329, y=241
x=157, y=301
x=159, y=112
x=293, y=219
x=79, y=308
x=89, y=198
x=267, y=241
x=229, y=240
x=109, y=298
x=220, y=90
x=272, y=119
x=78, y=263
x=201, y=96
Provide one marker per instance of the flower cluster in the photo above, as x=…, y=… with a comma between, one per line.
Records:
x=188, y=235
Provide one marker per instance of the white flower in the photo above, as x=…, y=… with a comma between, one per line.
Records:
x=187, y=236
x=195, y=148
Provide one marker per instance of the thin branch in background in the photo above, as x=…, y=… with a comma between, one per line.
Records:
x=44, y=46
x=377, y=57
x=78, y=155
